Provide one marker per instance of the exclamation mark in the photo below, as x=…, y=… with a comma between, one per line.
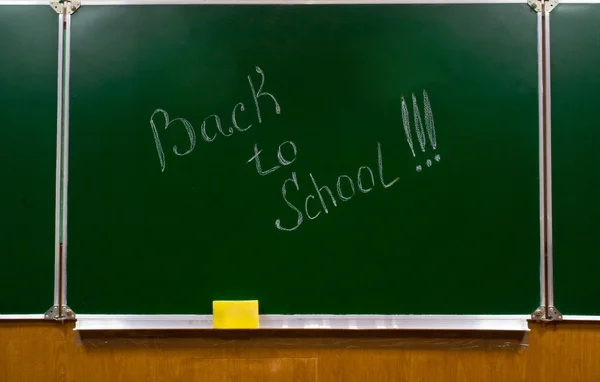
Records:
x=419, y=130
x=406, y=124
x=419, y=126
x=430, y=126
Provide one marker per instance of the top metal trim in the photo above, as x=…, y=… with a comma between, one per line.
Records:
x=317, y=321
x=23, y=2
x=293, y=2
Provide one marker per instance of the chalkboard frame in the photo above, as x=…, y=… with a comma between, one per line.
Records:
x=421, y=322
x=53, y=313
x=554, y=314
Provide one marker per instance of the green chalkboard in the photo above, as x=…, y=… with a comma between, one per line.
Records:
x=28, y=73
x=459, y=236
x=575, y=68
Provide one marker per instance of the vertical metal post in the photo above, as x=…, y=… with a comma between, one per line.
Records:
x=66, y=312
x=54, y=312
x=546, y=311
x=552, y=314
x=59, y=310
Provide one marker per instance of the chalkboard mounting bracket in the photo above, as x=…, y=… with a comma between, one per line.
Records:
x=539, y=314
x=554, y=314
x=60, y=6
x=542, y=5
x=52, y=314
x=549, y=5
x=67, y=313
x=56, y=313
x=535, y=4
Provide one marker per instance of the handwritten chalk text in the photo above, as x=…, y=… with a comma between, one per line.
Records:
x=280, y=157
x=211, y=126
x=429, y=125
x=345, y=187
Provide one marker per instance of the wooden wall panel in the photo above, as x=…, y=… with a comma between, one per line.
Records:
x=32, y=351
x=89, y=364
x=54, y=352
x=240, y=369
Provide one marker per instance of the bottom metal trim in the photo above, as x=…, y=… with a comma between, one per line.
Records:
x=22, y=317
x=580, y=318
x=276, y=321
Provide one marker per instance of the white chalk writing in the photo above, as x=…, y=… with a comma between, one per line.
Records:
x=257, y=94
x=188, y=127
x=280, y=158
x=326, y=196
x=211, y=126
x=429, y=127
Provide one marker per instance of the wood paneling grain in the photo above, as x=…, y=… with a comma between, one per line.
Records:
x=47, y=351
x=32, y=351
x=240, y=369
x=90, y=364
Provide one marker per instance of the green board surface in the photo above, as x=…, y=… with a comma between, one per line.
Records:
x=458, y=237
x=28, y=67
x=575, y=68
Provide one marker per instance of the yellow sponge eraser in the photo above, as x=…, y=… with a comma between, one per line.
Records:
x=235, y=314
